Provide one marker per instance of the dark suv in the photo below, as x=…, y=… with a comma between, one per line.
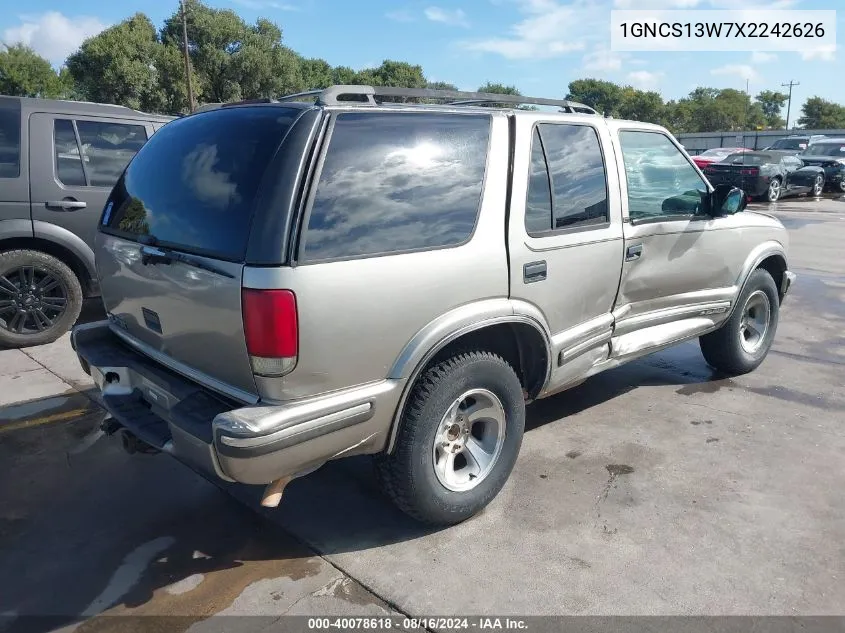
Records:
x=58, y=162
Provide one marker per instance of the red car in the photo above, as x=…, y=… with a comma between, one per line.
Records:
x=716, y=154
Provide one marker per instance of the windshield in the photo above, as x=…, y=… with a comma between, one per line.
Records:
x=748, y=158
x=826, y=149
x=790, y=143
x=717, y=151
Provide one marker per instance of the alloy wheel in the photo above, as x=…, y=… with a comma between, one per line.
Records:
x=756, y=316
x=469, y=440
x=32, y=299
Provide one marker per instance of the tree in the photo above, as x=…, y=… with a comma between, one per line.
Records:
x=772, y=102
x=233, y=60
x=604, y=96
x=344, y=75
x=393, y=73
x=118, y=66
x=441, y=85
x=641, y=106
x=316, y=73
x=170, y=67
x=24, y=73
x=820, y=114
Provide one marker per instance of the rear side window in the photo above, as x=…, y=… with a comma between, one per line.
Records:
x=107, y=148
x=566, y=161
x=397, y=182
x=193, y=185
x=68, y=160
x=10, y=138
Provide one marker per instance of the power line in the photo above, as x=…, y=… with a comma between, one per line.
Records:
x=789, y=103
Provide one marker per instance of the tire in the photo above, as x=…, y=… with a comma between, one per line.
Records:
x=733, y=349
x=774, y=191
x=818, y=186
x=57, y=295
x=414, y=475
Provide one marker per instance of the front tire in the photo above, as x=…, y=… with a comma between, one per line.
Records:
x=458, y=439
x=40, y=298
x=741, y=344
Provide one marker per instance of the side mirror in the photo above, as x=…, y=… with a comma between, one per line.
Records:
x=727, y=200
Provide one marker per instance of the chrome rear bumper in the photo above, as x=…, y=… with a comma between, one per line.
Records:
x=222, y=438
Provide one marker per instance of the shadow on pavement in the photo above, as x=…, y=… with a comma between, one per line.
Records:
x=105, y=530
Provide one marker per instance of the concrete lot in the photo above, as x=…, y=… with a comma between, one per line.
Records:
x=656, y=488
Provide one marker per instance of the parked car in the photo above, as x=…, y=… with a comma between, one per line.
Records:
x=58, y=163
x=289, y=283
x=795, y=142
x=829, y=154
x=767, y=175
x=715, y=154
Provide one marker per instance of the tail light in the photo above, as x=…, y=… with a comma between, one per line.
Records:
x=749, y=172
x=271, y=330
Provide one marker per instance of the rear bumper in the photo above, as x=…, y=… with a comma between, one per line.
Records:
x=221, y=438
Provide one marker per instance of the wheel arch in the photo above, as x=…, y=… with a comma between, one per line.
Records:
x=61, y=244
x=515, y=331
x=770, y=256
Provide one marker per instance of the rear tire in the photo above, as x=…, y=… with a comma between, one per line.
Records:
x=774, y=191
x=40, y=298
x=442, y=442
x=818, y=186
x=741, y=344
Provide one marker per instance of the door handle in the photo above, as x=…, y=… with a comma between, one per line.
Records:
x=535, y=271
x=66, y=205
x=633, y=252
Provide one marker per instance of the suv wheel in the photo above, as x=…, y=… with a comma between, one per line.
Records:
x=458, y=439
x=742, y=343
x=40, y=298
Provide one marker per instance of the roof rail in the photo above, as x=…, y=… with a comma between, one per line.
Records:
x=332, y=96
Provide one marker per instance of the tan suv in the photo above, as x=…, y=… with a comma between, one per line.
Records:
x=288, y=283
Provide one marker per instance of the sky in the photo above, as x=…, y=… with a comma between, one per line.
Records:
x=539, y=46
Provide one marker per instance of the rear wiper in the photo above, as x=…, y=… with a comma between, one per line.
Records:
x=160, y=255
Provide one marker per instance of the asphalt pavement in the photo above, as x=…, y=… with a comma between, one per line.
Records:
x=658, y=488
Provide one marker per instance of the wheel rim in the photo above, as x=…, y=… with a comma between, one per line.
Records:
x=756, y=316
x=817, y=188
x=32, y=299
x=774, y=190
x=469, y=440
x=842, y=185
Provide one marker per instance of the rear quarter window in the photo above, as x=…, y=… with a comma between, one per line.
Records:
x=193, y=185
x=395, y=182
x=10, y=138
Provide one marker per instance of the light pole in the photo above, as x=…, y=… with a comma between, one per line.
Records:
x=187, y=57
x=789, y=102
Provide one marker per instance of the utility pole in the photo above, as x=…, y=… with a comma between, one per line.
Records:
x=187, y=57
x=789, y=102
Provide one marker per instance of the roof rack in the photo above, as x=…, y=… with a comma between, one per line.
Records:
x=367, y=94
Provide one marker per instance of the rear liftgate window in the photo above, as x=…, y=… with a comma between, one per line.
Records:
x=193, y=184
x=395, y=182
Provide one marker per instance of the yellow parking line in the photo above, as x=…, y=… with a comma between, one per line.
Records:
x=61, y=416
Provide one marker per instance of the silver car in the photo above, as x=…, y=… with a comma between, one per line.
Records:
x=288, y=283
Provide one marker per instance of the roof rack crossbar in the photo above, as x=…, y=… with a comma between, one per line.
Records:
x=332, y=96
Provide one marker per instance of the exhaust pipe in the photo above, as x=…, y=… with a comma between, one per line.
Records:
x=273, y=492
